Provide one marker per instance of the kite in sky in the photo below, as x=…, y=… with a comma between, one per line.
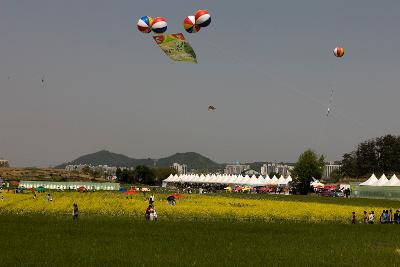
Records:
x=338, y=51
x=175, y=46
x=330, y=104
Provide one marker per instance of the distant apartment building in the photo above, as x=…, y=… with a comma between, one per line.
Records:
x=4, y=163
x=236, y=169
x=180, y=168
x=279, y=168
x=329, y=168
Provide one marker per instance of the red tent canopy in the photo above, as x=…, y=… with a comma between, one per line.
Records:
x=177, y=195
x=131, y=192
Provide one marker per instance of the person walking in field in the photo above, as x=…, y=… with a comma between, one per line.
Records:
x=75, y=211
x=153, y=215
x=2, y=198
x=371, y=218
x=353, y=219
x=147, y=214
x=365, y=217
x=396, y=217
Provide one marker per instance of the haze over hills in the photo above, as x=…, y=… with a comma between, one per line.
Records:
x=191, y=159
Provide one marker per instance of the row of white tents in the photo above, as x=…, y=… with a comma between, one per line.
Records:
x=225, y=179
x=383, y=181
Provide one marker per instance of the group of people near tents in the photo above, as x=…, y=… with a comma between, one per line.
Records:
x=387, y=217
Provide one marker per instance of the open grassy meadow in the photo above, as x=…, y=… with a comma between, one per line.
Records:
x=213, y=230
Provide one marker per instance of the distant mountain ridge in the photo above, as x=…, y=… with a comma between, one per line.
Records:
x=103, y=157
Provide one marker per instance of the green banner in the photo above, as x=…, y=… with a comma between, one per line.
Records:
x=176, y=47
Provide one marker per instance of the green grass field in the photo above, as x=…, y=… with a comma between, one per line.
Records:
x=96, y=240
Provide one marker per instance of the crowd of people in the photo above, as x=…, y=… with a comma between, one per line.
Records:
x=387, y=217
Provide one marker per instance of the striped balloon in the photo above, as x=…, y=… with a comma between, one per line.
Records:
x=202, y=18
x=338, y=51
x=190, y=25
x=159, y=25
x=144, y=24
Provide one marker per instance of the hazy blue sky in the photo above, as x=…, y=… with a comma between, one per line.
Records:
x=267, y=66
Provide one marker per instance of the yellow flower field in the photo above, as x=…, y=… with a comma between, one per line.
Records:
x=192, y=207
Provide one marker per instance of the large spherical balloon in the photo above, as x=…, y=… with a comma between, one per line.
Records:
x=159, y=25
x=202, y=18
x=144, y=24
x=338, y=51
x=190, y=24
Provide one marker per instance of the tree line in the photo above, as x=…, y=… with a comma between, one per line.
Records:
x=144, y=175
x=378, y=155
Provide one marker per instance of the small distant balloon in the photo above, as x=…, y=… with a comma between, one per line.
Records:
x=211, y=108
x=190, y=24
x=202, y=18
x=338, y=51
x=144, y=24
x=159, y=25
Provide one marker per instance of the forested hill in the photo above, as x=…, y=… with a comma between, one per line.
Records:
x=191, y=159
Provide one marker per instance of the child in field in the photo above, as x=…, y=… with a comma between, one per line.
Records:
x=365, y=217
x=153, y=215
x=353, y=219
x=75, y=211
x=147, y=214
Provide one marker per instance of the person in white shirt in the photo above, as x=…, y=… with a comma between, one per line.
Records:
x=371, y=217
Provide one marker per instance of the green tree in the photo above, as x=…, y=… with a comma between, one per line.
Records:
x=349, y=165
x=367, y=160
x=118, y=173
x=144, y=174
x=163, y=173
x=307, y=167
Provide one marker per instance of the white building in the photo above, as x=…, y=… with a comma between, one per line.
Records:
x=236, y=169
x=4, y=163
x=281, y=169
x=329, y=168
x=180, y=168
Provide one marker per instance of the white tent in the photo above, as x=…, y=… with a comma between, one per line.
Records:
x=201, y=179
x=169, y=178
x=246, y=180
x=288, y=179
x=274, y=180
x=253, y=181
x=394, y=181
x=281, y=180
x=267, y=180
x=382, y=181
x=371, y=180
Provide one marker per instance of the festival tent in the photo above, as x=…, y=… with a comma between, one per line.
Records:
x=253, y=181
x=267, y=180
x=202, y=178
x=225, y=179
x=394, y=181
x=239, y=180
x=281, y=180
x=371, y=180
x=246, y=180
x=168, y=179
x=289, y=179
x=382, y=181
x=274, y=180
